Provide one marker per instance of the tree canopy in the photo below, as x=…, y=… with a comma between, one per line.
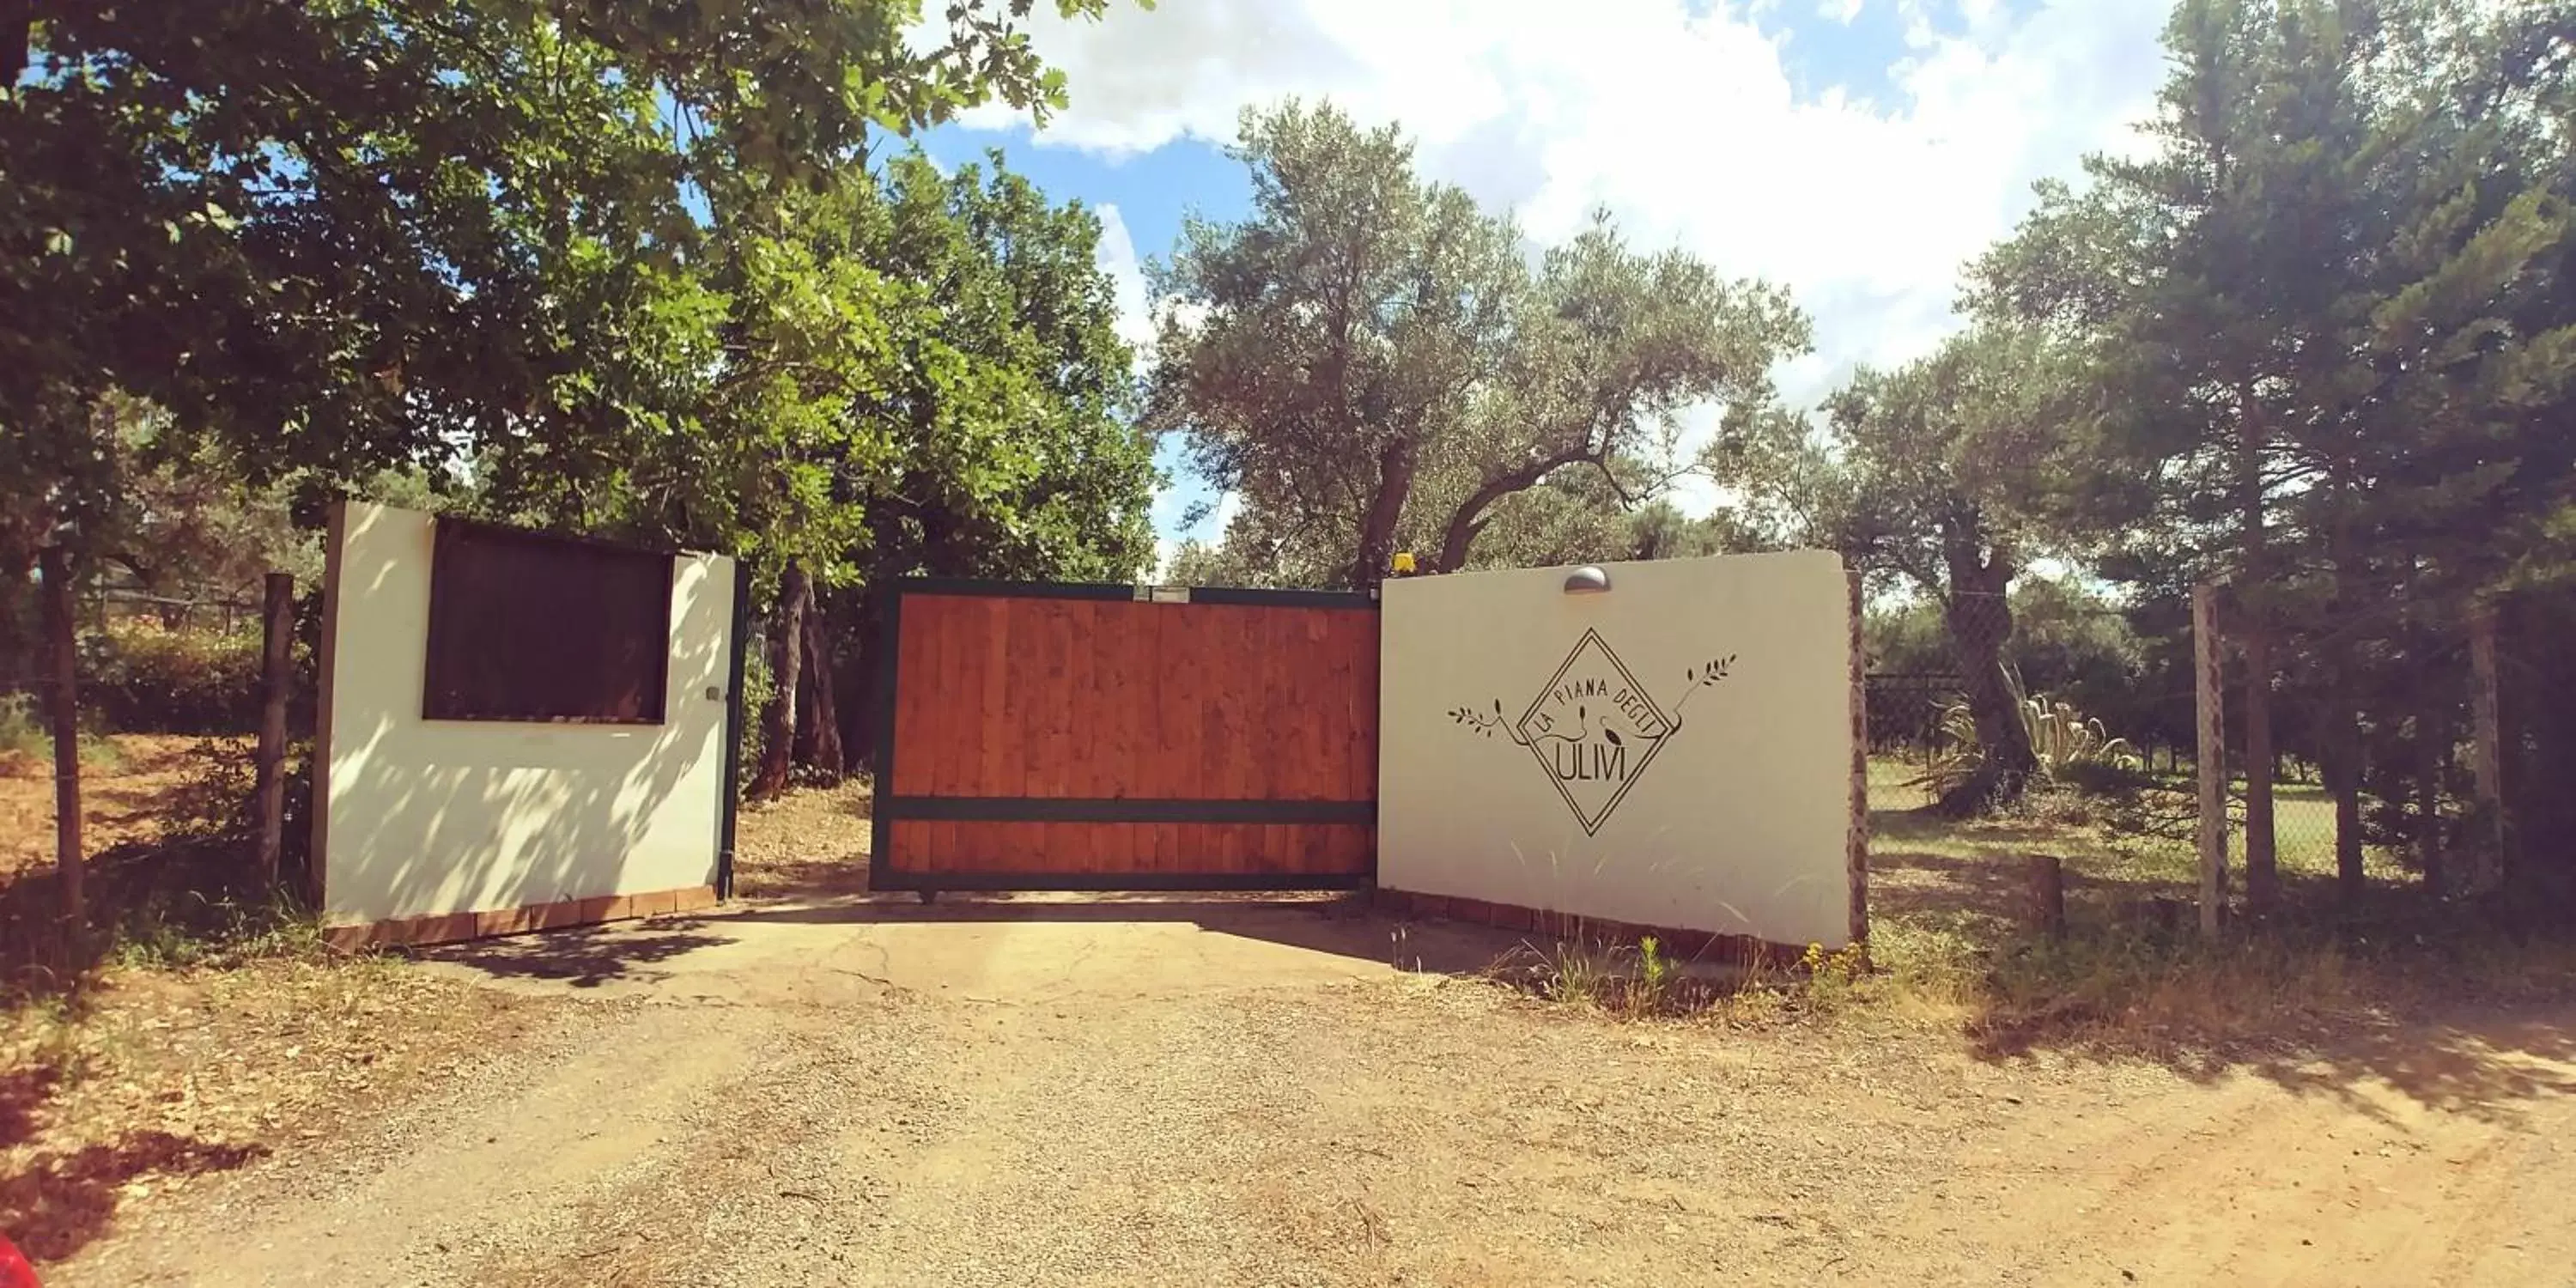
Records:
x=345, y=236
x=1370, y=360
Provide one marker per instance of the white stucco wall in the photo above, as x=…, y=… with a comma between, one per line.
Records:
x=422, y=817
x=1738, y=822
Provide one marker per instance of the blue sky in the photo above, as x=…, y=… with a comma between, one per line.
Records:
x=1856, y=151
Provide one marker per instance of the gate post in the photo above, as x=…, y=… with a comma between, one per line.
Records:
x=1856, y=844
x=2212, y=755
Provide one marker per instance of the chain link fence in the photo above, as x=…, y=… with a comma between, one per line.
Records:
x=1907, y=711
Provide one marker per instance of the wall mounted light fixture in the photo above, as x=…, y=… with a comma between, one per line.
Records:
x=1587, y=580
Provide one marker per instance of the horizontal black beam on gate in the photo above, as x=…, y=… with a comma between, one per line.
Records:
x=1083, y=809
x=1013, y=589
x=1282, y=598
x=893, y=879
x=992, y=589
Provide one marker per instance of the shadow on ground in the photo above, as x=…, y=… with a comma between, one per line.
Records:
x=53, y=1204
x=1051, y=944
x=587, y=957
x=60, y=1203
x=1342, y=925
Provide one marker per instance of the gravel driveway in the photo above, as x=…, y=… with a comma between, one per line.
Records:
x=1199, y=1093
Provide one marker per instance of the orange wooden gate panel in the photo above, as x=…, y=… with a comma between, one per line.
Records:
x=1039, y=736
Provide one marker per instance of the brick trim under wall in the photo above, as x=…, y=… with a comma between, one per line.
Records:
x=448, y=928
x=1684, y=945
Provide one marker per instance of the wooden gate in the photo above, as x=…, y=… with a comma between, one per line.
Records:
x=1035, y=736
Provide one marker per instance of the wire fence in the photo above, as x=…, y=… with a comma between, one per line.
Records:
x=2422, y=746
x=203, y=612
x=1906, y=713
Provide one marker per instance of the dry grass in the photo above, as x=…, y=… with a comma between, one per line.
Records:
x=151, y=1080
x=1954, y=947
x=810, y=841
x=1641, y=981
x=125, y=778
x=1952, y=938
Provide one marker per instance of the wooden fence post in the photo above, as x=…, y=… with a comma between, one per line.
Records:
x=276, y=676
x=2486, y=860
x=2206, y=693
x=1856, y=842
x=62, y=651
x=2048, y=894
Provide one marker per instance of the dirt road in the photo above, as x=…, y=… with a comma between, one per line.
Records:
x=1204, y=1094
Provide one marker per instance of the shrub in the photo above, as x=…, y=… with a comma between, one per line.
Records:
x=27, y=743
x=2069, y=745
x=22, y=733
x=757, y=685
x=143, y=678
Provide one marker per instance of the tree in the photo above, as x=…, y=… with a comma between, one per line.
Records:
x=343, y=237
x=1946, y=473
x=189, y=524
x=1367, y=356
x=1008, y=448
x=614, y=264
x=2323, y=316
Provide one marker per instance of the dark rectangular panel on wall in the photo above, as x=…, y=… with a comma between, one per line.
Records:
x=526, y=626
x=1040, y=736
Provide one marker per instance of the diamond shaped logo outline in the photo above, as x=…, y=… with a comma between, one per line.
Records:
x=1592, y=638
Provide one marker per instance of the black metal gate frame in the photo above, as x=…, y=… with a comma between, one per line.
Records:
x=888, y=809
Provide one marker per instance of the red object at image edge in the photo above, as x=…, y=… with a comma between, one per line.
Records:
x=14, y=1270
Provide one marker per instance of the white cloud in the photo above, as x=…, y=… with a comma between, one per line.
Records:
x=1117, y=257
x=1842, y=11
x=1685, y=124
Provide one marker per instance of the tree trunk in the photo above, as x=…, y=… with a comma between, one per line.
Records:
x=1469, y=519
x=2486, y=850
x=64, y=710
x=2262, y=869
x=1395, y=466
x=2341, y=768
x=17, y=38
x=276, y=682
x=818, y=725
x=854, y=683
x=2343, y=731
x=778, y=718
x=21, y=647
x=2209, y=757
x=1980, y=621
x=2432, y=745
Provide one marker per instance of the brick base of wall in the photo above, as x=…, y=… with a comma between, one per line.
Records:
x=1684, y=945
x=448, y=928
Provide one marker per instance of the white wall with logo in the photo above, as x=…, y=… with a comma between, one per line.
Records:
x=1673, y=752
